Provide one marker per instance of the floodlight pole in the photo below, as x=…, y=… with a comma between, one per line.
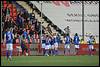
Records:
x=41, y=21
x=83, y=20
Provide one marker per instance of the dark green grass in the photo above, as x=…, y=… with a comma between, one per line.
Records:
x=51, y=61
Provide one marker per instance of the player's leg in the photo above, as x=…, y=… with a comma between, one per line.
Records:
x=46, y=50
x=56, y=48
x=26, y=51
x=7, y=51
x=43, y=48
x=90, y=49
x=10, y=51
x=23, y=50
x=65, y=49
x=49, y=49
x=7, y=54
x=52, y=49
x=68, y=49
x=76, y=49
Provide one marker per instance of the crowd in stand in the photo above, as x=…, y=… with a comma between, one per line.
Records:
x=24, y=23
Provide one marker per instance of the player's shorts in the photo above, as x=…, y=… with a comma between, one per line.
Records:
x=43, y=45
x=90, y=47
x=76, y=46
x=9, y=46
x=56, y=45
x=47, y=46
x=67, y=46
x=52, y=46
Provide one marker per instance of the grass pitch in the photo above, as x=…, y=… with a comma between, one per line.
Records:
x=51, y=61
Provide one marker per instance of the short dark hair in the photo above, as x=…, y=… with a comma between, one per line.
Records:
x=67, y=34
x=76, y=34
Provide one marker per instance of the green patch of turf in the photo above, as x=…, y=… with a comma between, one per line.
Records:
x=51, y=61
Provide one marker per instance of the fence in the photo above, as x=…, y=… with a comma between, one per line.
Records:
x=36, y=49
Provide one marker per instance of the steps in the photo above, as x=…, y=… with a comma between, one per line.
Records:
x=37, y=16
x=24, y=4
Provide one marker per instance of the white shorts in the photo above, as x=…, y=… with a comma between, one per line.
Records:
x=52, y=46
x=90, y=47
x=9, y=46
x=67, y=46
x=56, y=45
x=43, y=45
x=76, y=46
x=47, y=46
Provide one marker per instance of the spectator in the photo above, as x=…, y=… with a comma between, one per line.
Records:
x=7, y=11
x=19, y=21
x=12, y=24
x=49, y=29
x=7, y=23
x=32, y=31
x=67, y=30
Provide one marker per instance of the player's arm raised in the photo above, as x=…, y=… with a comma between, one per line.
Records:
x=4, y=40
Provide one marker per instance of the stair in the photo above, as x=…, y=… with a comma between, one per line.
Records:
x=37, y=16
x=24, y=4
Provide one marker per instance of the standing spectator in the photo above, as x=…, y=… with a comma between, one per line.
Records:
x=67, y=30
x=7, y=10
x=7, y=22
x=19, y=21
x=12, y=24
x=49, y=29
x=32, y=31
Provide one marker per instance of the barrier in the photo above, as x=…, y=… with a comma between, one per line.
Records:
x=82, y=51
x=15, y=50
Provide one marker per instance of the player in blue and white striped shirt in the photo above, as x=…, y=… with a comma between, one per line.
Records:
x=90, y=42
x=67, y=44
x=76, y=43
x=8, y=39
